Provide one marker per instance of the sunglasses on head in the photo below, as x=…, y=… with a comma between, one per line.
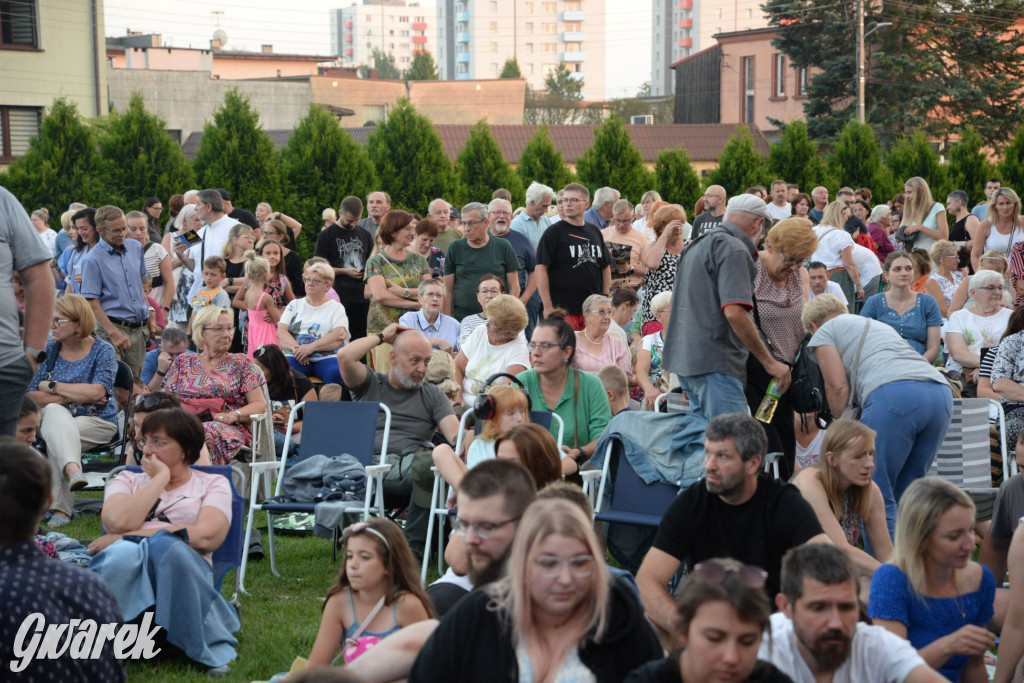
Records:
x=715, y=572
x=148, y=404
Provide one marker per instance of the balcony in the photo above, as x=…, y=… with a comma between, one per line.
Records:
x=462, y=76
x=462, y=16
x=348, y=24
x=348, y=52
x=574, y=36
x=462, y=58
x=685, y=42
x=348, y=39
x=462, y=37
x=685, y=4
x=419, y=26
x=574, y=15
x=571, y=57
x=419, y=40
x=686, y=23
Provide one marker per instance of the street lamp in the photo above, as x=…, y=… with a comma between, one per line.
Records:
x=861, y=35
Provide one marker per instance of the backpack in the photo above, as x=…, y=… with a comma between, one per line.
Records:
x=807, y=389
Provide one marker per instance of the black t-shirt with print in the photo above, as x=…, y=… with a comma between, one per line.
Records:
x=576, y=257
x=346, y=248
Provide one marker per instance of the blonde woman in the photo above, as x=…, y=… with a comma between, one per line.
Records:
x=946, y=277
x=932, y=594
x=1002, y=228
x=835, y=250
x=924, y=219
x=557, y=615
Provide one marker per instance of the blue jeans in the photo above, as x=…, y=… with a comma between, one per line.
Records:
x=911, y=419
x=326, y=369
x=714, y=394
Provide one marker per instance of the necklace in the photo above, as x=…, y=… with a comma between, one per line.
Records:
x=595, y=343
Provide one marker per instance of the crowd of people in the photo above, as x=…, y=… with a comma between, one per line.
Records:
x=583, y=306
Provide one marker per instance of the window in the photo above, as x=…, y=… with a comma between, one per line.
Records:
x=369, y=46
x=548, y=7
x=549, y=69
x=17, y=127
x=779, y=76
x=750, y=13
x=718, y=13
x=493, y=7
x=550, y=27
x=550, y=48
x=403, y=20
x=529, y=69
x=403, y=46
x=404, y=60
x=529, y=48
x=494, y=69
x=572, y=47
x=391, y=32
x=747, y=103
x=404, y=34
x=529, y=8
x=529, y=27
x=801, y=81
x=494, y=47
x=493, y=26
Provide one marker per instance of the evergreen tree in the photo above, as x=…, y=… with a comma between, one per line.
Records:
x=675, y=178
x=969, y=166
x=423, y=67
x=857, y=161
x=61, y=166
x=482, y=168
x=1011, y=168
x=614, y=161
x=237, y=155
x=144, y=160
x=384, y=63
x=410, y=159
x=560, y=102
x=541, y=161
x=322, y=164
x=914, y=156
x=511, y=69
x=739, y=166
x=796, y=158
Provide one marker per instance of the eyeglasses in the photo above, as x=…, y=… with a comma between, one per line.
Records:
x=482, y=529
x=433, y=295
x=492, y=292
x=993, y=288
x=220, y=330
x=156, y=207
x=602, y=312
x=473, y=224
x=154, y=442
x=311, y=280
x=57, y=322
x=501, y=213
x=543, y=347
x=786, y=261
x=569, y=200
x=550, y=567
x=716, y=572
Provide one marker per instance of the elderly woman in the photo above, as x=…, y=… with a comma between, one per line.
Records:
x=945, y=277
x=1008, y=379
x=880, y=227
x=835, y=250
x=394, y=274
x=488, y=287
x=643, y=211
x=313, y=328
x=595, y=348
x=649, y=374
x=441, y=330
x=75, y=389
x=496, y=346
x=556, y=616
x=222, y=388
x=977, y=327
x=995, y=261
x=662, y=259
x=913, y=315
x=166, y=569
x=187, y=221
x=865, y=363
x=1002, y=228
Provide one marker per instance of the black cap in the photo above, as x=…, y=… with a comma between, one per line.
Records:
x=454, y=213
x=224, y=194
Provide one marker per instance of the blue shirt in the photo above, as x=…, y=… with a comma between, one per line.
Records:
x=445, y=327
x=98, y=367
x=815, y=216
x=532, y=229
x=149, y=366
x=62, y=242
x=980, y=210
x=525, y=254
x=115, y=278
x=593, y=216
x=912, y=325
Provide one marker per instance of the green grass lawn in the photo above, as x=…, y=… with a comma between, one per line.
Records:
x=280, y=616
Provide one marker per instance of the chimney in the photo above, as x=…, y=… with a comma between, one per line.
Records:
x=267, y=49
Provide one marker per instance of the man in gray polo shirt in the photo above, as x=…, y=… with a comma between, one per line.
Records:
x=711, y=330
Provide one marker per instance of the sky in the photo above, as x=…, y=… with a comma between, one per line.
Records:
x=303, y=27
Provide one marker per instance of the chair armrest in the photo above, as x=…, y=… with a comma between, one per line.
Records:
x=589, y=475
x=373, y=470
x=258, y=467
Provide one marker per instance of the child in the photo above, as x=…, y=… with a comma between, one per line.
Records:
x=259, y=306
x=379, y=572
x=212, y=294
x=278, y=287
x=511, y=408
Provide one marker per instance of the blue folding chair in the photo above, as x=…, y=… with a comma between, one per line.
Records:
x=439, y=494
x=329, y=428
x=633, y=501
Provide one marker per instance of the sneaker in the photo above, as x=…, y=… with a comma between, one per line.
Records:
x=57, y=520
x=77, y=481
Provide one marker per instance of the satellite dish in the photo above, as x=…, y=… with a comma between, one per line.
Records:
x=220, y=36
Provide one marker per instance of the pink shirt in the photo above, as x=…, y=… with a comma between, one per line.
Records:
x=181, y=505
x=613, y=352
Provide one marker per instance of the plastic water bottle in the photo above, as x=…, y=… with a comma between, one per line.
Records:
x=766, y=411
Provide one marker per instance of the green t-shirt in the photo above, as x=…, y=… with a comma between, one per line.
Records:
x=469, y=264
x=445, y=239
x=590, y=406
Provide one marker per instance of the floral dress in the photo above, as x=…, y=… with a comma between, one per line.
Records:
x=220, y=390
x=406, y=273
x=948, y=288
x=659, y=280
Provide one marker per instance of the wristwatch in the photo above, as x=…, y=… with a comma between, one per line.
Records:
x=231, y=282
x=38, y=354
x=406, y=293
x=380, y=335
x=51, y=386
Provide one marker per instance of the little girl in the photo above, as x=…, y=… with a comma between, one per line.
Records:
x=378, y=592
x=258, y=304
x=278, y=287
x=511, y=408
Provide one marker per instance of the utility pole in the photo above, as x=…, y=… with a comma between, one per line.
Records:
x=860, y=61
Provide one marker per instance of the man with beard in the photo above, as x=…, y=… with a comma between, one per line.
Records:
x=492, y=497
x=735, y=511
x=418, y=409
x=817, y=636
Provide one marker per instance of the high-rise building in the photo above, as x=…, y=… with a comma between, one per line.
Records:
x=672, y=26
x=394, y=27
x=475, y=37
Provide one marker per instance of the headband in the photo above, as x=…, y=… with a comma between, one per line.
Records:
x=364, y=526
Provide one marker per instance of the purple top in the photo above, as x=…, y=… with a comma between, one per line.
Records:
x=881, y=239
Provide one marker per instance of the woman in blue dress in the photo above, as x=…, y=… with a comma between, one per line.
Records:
x=914, y=315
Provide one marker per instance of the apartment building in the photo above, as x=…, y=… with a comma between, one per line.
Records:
x=394, y=27
x=475, y=37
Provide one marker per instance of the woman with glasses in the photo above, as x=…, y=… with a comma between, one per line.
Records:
x=488, y=287
x=555, y=384
x=145, y=405
x=946, y=277
x=556, y=616
x=313, y=328
x=186, y=222
x=166, y=569
x=722, y=614
x=276, y=230
x=977, y=327
x=222, y=388
x=496, y=346
x=442, y=331
x=595, y=347
x=75, y=389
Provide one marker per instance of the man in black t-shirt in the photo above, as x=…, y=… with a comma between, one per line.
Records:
x=346, y=248
x=572, y=261
x=714, y=201
x=735, y=511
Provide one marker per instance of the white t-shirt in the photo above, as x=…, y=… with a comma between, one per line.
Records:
x=153, y=256
x=616, y=330
x=876, y=655
x=834, y=288
x=485, y=359
x=867, y=263
x=779, y=212
x=979, y=332
x=831, y=241
x=308, y=323
x=215, y=236
x=49, y=238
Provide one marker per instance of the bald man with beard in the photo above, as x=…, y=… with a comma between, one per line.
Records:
x=418, y=410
